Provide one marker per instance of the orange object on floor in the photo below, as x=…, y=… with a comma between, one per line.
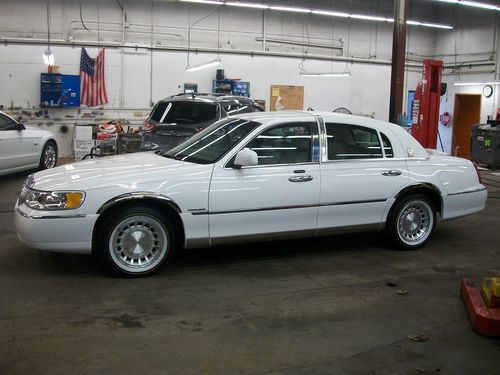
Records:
x=485, y=320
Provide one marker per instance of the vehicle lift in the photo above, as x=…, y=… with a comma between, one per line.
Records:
x=425, y=109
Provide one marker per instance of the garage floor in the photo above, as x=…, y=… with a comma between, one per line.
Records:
x=317, y=306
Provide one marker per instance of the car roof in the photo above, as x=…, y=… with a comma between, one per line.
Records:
x=207, y=98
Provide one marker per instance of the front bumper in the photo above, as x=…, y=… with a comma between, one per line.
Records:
x=55, y=231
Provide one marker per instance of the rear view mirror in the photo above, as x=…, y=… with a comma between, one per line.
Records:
x=246, y=158
x=19, y=126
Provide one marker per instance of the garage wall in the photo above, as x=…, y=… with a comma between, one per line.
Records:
x=136, y=76
x=471, y=49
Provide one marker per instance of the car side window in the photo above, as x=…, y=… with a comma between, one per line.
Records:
x=389, y=153
x=6, y=123
x=345, y=141
x=284, y=144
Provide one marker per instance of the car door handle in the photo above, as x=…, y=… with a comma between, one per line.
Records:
x=391, y=173
x=300, y=178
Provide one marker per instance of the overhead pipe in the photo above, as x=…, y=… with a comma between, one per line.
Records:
x=85, y=43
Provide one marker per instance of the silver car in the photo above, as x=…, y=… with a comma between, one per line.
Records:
x=24, y=148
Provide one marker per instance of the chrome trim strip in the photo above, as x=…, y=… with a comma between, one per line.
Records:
x=468, y=191
x=23, y=214
x=286, y=207
x=263, y=237
x=138, y=195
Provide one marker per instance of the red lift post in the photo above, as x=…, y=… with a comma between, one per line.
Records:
x=425, y=110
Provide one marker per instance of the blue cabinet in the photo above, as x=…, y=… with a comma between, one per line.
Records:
x=59, y=90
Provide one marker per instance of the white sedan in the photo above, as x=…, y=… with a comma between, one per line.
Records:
x=252, y=177
x=23, y=148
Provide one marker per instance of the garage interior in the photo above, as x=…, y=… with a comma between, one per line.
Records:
x=343, y=304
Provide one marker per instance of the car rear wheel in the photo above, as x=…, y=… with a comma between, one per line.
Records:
x=48, y=159
x=411, y=222
x=136, y=242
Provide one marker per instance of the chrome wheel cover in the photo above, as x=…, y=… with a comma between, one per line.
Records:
x=49, y=156
x=415, y=222
x=138, y=243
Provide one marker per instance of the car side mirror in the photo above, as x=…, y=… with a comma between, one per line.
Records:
x=19, y=126
x=246, y=158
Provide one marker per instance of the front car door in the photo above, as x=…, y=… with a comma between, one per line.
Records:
x=359, y=177
x=17, y=147
x=279, y=196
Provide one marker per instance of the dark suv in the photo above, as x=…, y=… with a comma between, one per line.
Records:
x=179, y=117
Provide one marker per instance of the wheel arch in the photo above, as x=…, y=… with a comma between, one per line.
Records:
x=156, y=201
x=427, y=189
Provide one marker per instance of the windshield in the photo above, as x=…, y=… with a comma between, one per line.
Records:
x=209, y=145
x=184, y=112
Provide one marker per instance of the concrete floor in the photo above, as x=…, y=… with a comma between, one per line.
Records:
x=317, y=306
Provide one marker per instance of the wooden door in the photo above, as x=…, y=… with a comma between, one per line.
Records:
x=467, y=113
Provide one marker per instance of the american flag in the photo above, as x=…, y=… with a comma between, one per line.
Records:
x=93, y=89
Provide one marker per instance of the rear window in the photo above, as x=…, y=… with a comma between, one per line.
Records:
x=184, y=112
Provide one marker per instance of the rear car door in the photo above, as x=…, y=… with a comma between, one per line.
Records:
x=359, y=177
x=277, y=197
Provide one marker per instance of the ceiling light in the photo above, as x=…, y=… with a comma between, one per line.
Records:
x=332, y=14
x=284, y=8
x=290, y=9
x=247, y=5
x=203, y=65
x=303, y=73
x=213, y=2
x=476, y=83
x=473, y=4
x=371, y=18
x=48, y=57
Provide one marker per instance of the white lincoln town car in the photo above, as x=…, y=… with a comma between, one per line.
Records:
x=251, y=177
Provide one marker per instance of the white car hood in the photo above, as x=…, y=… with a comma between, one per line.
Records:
x=132, y=171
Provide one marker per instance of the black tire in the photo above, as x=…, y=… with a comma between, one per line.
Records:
x=135, y=241
x=48, y=158
x=411, y=222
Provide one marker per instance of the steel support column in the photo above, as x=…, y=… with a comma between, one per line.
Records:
x=398, y=61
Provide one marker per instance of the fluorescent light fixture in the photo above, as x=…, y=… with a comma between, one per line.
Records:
x=428, y=24
x=331, y=14
x=212, y=2
x=203, y=65
x=321, y=12
x=290, y=9
x=371, y=18
x=476, y=83
x=48, y=57
x=303, y=73
x=474, y=4
x=247, y=5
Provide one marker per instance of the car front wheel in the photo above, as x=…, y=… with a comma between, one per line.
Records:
x=411, y=222
x=48, y=159
x=136, y=242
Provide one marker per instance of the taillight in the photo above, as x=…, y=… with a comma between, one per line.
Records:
x=148, y=126
x=477, y=171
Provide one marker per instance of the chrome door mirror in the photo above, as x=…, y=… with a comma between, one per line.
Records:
x=246, y=158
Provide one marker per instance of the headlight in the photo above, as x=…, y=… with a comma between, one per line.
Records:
x=50, y=200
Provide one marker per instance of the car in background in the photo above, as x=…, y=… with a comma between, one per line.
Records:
x=179, y=117
x=23, y=148
x=252, y=177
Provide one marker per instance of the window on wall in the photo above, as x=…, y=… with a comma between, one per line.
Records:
x=352, y=142
x=387, y=146
x=284, y=144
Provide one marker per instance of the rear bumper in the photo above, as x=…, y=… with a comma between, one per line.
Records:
x=66, y=233
x=464, y=203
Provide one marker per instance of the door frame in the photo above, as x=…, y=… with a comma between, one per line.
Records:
x=455, y=110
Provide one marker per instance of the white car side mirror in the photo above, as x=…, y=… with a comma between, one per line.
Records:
x=246, y=158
